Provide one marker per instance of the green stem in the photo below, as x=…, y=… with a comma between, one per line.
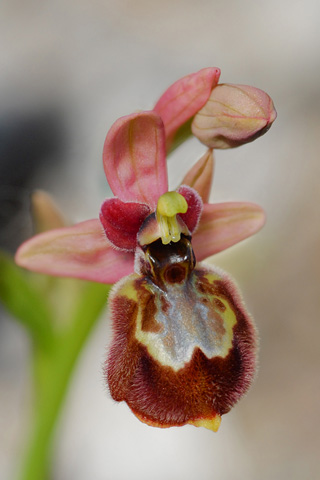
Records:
x=57, y=371
x=25, y=302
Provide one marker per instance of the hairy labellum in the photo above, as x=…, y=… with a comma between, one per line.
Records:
x=184, y=346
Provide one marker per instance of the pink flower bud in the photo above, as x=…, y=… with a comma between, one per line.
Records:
x=233, y=115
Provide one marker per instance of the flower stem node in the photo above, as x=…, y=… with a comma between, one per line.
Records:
x=169, y=205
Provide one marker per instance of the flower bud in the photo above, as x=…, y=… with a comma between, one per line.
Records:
x=233, y=115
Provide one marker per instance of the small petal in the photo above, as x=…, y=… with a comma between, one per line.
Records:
x=45, y=213
x=200, y=176
x=225, y=224
x=233, y=115
x=121, y=221
x=185, y=98
x=134, y=158
x=80, y=251
x=192, y=216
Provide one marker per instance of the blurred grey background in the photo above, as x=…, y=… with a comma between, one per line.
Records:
x=69, y=69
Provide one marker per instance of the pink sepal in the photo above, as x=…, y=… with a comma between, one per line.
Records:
x=80, y=251
x=192, y=216
x=134, y=158
x=225, y=224
x=122, y=220
x=200, y=175
x=182, y=100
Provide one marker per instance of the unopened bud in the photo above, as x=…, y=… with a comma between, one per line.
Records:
x=233, y=115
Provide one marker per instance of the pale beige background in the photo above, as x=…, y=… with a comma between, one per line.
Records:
x=98, y=60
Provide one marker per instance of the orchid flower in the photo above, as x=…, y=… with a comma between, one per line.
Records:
x=146, y=222
x=184, y=346
x=183, y=350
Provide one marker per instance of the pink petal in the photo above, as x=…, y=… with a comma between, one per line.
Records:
x=225, y=224
x=80, y=251
x=200, y=175
x=185, y=98
x=134, y=158
x=121, y=221
x=192, y=216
